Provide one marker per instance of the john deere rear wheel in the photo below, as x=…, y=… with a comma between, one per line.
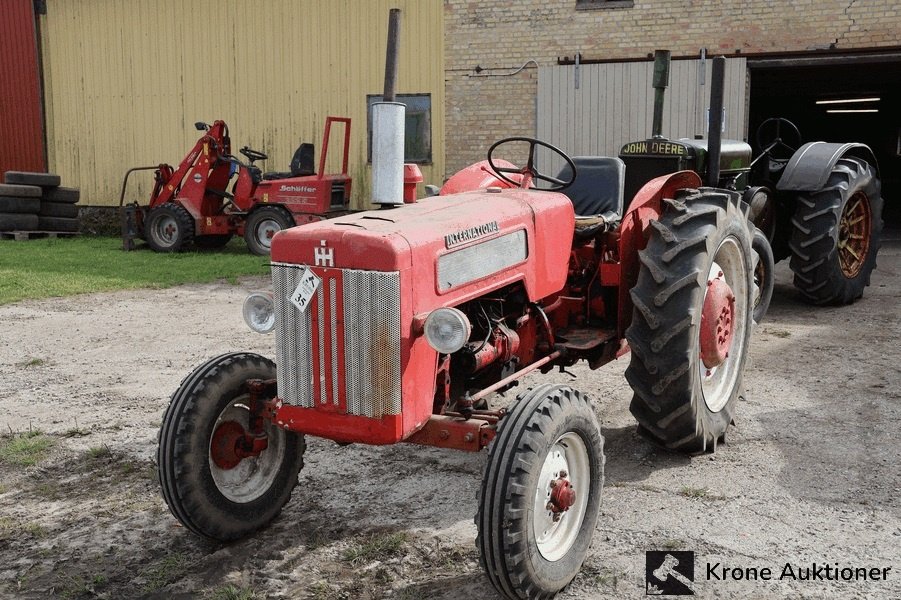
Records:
x=541, y=493
x=210, y=483
x=835, y=235
x=691, y=321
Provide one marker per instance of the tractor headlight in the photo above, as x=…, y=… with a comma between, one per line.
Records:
x=259, y=312
x=447, y=329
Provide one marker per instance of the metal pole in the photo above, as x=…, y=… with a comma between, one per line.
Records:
x=391, y=55
x=715, y=135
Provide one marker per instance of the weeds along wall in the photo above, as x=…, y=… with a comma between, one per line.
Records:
x=124, y=81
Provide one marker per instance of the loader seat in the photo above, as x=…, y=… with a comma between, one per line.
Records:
x=301, y=164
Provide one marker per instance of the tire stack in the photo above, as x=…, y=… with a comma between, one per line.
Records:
x=36, y=202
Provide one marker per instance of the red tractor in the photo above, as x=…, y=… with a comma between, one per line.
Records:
x=399, y=325
x=192, y=203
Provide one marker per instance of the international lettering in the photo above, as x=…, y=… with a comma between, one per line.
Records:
x=460, y=237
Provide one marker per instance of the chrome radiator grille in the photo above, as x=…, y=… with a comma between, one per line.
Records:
x=359, y=310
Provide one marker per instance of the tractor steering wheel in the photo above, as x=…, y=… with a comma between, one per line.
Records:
x=253, y=155
x=768, y=143
x=529, y=172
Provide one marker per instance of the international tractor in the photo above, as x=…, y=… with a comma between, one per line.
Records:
x=400, y=324
x=212, y=195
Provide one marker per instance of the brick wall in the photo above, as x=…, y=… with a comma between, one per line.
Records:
x=502, y=35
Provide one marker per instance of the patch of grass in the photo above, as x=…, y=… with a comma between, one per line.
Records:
x=34, y=362
x=77, y=586
x=231, y=592
x=49, y=268
x=97, y=452
x=694, y=492
x=11, y=528
x=164, y=572
x=779, y=333
x=25, y=449
x=376, y=547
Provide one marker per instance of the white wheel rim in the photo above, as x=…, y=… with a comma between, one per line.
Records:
x=165, y=229
x=265, y=230
x=554, y=539
x=255, y=475
x=718, y=382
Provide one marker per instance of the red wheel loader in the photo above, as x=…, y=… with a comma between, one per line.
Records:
x=399, y=324
x=197, y=202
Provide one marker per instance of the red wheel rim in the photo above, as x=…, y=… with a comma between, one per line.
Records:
x=223, y=447
x=854, y=235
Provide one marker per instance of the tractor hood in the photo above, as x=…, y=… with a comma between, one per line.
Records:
x=452, y=247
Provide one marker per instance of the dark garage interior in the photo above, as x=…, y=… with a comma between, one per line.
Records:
x=852, y=98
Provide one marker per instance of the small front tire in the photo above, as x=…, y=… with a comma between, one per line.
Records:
x=262, y=225
x=169, y=228
x=209, y=490
x=550, y=440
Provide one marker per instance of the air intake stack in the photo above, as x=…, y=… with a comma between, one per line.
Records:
x=388, y=129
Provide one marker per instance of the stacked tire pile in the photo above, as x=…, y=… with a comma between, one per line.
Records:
x=36, y=202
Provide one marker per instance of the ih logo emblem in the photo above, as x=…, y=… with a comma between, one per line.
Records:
x=669, y=573
x=324, y=256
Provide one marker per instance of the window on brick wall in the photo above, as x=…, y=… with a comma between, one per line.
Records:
x=596, y=4
x=417, y=126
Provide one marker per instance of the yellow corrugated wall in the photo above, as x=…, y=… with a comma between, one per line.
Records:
x=125, y=80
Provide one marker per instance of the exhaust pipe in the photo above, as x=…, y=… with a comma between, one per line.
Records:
x=388, y=129
x=715, y=135
x=661, y=81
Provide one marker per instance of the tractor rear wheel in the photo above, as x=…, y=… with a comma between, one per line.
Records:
x=540, y=493
x=211, y=487
x=169, y=228
x=262, y=224
x=691, y=322
x=764, y=274
x=835, y=235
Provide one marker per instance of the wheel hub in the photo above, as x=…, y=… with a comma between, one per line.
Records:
x=231, y=444
x=717, y=322
x=854, y=235
x=563, y=496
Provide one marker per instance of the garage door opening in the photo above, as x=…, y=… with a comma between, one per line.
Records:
x=837, y=99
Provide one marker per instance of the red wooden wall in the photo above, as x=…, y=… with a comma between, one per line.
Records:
x=21, y=121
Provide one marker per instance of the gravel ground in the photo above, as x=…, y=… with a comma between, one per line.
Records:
x=810, y=473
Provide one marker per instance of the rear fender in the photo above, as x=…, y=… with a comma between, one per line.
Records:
x=809, y=168
x=645, y=207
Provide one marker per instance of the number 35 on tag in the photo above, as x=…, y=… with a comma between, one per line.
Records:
x=303, y=293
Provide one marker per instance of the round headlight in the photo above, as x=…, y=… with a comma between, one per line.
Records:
x=447, y=329
x=259, y=312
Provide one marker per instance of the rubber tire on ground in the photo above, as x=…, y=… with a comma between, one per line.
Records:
x=18, y=222
x=259, y=217
x=665, y=368
x=62, y=194
x=58, y=209
x=20, y=191
x=212, y=242
x=506, y=537
x=60, y=224
x=45, y=180
x=11, y=204
x=767, y=279
x=183, y=455
x=180, y=217
x=815, y=235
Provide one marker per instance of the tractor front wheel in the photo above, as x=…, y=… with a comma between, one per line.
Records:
x=691, y=322
x=835, y=235
x=214, y=483
x=169, y=228
x=541, y=493
x=262, y=224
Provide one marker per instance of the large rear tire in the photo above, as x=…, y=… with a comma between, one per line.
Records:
x=548, y=443
x=836, y=235
x=215, y=496
x=169, y=228
x=698, y=255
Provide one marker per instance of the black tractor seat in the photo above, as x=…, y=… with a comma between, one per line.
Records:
x=301, y=164
x=597, y=193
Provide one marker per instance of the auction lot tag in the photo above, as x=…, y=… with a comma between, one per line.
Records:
x=303, y=293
